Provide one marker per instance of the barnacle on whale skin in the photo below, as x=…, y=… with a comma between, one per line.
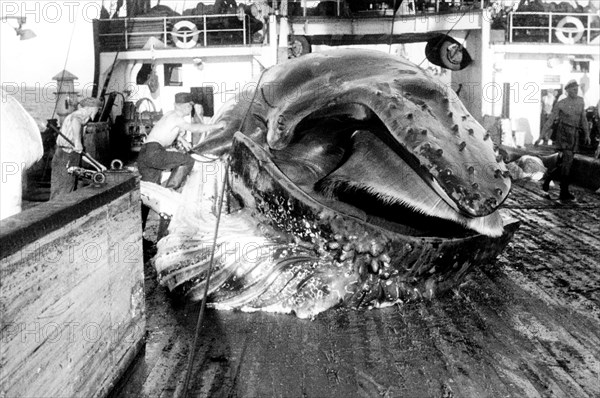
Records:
x=363, y=182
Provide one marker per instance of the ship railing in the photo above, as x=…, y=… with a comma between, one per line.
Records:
x=379, y=8
x=177, y=31
x=554, y=27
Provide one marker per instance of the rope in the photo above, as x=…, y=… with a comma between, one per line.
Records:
x=109, y=75
x=64, y=68
x=253, y=98
x=48, y=159
x=192, y=355
x=393, y=21
x=247, y=110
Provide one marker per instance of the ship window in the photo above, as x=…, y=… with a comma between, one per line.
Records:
x=173, y=75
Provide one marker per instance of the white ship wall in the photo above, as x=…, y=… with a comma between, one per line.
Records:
x=228, y=76
x=529, y=74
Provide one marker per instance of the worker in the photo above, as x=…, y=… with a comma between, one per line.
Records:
x=154, y=158
x=68, y=154
x=569, y=113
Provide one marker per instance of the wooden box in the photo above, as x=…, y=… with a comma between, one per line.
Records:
x=72, y=293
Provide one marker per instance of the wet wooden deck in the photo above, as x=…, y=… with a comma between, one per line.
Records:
x=527, y=326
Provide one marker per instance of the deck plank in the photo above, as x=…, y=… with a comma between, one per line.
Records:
x=526, y=326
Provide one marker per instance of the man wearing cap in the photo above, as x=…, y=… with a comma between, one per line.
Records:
x=153, y=158
x=66, y=154
x=570, y=115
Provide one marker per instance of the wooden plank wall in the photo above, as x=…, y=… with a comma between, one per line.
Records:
x=72, y=294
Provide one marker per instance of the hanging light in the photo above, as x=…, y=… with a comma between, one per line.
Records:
x=24, y=34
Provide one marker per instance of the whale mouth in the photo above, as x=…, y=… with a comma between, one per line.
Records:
x=344, y=158
x=350, y=177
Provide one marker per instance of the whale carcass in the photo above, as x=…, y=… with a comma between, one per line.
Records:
x=354, y=179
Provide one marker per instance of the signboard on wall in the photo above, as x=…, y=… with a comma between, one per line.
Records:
x=551, y=79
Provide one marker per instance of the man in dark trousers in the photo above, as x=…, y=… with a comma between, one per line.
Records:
x=569, y=113
x=68, y=152
x=154, y=158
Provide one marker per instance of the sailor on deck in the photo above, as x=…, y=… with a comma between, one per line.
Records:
x=65, y=155
x=569, y=113
x=154, y=158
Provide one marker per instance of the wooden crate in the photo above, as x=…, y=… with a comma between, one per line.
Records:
x=72, y=293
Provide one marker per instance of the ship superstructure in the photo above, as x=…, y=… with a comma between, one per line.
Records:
x=150, y=53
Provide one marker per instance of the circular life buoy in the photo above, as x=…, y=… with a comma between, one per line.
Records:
x=185, y=34
x=569, y=30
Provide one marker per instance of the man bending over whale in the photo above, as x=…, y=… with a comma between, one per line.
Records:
x=153, y=158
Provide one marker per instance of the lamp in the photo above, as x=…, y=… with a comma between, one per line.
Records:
x=24, y=34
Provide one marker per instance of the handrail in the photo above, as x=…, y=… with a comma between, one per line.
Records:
x=128, y=30
x=553, y=27
x=183, y=17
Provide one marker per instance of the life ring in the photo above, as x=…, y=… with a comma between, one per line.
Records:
x=569, y=30
x=185, y=34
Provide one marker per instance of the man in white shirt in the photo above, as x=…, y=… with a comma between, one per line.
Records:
x=66, y=154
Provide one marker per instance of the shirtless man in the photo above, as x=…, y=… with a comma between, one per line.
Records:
x=154, y=158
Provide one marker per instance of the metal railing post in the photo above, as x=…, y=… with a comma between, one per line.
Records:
x=165, y=30
x=126, y=33
x=510, y=27
x=244, y=27
x=550, y=28
x=589, y=29
x=205, y=28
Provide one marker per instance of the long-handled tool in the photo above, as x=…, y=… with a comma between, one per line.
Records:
x=97, y=165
